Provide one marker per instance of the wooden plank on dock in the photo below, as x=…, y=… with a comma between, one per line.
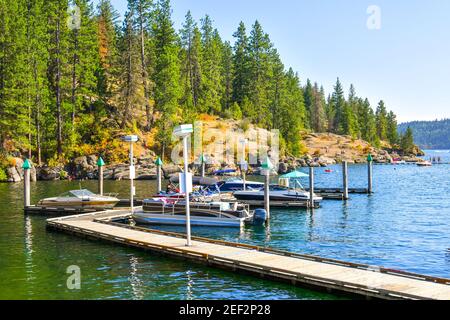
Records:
x=299, y=269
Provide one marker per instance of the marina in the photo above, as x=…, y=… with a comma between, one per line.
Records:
x=331, y=232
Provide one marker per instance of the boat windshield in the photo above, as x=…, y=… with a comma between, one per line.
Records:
x=77, y=193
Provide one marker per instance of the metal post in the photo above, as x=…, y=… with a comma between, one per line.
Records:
x=311, y=187
x=188, y=209
x=159, y=178
x=203, y=169
x=243, y=163
x=345, y=179
x=131, y=178
x=370, y=180
x=100, y=180
x=267, y=194
x=26, y=184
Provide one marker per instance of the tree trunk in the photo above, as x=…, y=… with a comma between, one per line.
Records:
x=58, y=87
x=74, y=77
x=144, y=70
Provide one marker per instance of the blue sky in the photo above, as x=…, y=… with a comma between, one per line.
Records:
x=406, y=62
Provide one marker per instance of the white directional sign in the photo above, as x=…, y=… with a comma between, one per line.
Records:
x=189, y=182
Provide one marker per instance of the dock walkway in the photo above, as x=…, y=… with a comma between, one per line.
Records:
x=303, y=270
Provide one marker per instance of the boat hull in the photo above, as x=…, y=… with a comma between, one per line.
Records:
x=97, y=205
x=180, y=220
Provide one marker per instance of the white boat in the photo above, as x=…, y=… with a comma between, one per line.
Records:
x=425, y=164
x=162, y=211
x=277, y=193
x=80, y=199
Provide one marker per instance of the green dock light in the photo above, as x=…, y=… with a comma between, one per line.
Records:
x=369, y=158
x=159, y=162
x=202, y=159
x=100, y=162
x=26, y=164
x=267, y=165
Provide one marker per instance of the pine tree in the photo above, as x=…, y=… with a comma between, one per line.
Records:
x=108, y=47
x=407, y=141
x=142, y=21
x=292, y=114
x=84, y=61
x=58, y=49
x=381, y=116
x=318, y=121
x=130, y=75
x=309, y=105
x=191, y=77
x=167, y=71
x=338, y=105
x=392, y=125
x=260, y=49
x=227, y=69
x=241, y=62
x=211, y=65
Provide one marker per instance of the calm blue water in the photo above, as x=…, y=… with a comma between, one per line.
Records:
x=404, y=225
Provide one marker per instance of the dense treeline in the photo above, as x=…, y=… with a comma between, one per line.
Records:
x=72, y=78
x=429, y=134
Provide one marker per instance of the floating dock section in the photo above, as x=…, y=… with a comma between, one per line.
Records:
x=302, y=270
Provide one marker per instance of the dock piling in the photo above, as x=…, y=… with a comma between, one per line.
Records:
x=203, y=165
x=267, y=194
x=345, y=179
x=159, y=164
x=26, y=183
x=100, y=165
x=370, y=174
x=267, y=167
x=311, y=187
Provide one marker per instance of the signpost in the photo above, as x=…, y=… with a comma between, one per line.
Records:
x=131, y=139
x=184, y=131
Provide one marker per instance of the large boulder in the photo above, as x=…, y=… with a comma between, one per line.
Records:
x=46, y=173
x=170, y=169
x=13, y=175
x=283, y=168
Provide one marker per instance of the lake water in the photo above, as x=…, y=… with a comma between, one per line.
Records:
x=404, y=225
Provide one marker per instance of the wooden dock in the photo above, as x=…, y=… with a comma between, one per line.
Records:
x=56, y=211
x=303, y=270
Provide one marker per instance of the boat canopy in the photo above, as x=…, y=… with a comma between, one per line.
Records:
x=294, y=175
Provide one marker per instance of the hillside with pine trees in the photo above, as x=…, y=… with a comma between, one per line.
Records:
x=73, y=81
x=429, y=134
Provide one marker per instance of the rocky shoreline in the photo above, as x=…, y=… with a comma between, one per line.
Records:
x=85, y=168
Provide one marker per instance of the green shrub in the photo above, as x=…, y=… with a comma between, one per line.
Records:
x=3, y=175
x=244, y=125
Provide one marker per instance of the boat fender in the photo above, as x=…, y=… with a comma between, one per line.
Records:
x=260, y=217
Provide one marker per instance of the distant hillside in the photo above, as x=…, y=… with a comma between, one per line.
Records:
x=429, y=134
